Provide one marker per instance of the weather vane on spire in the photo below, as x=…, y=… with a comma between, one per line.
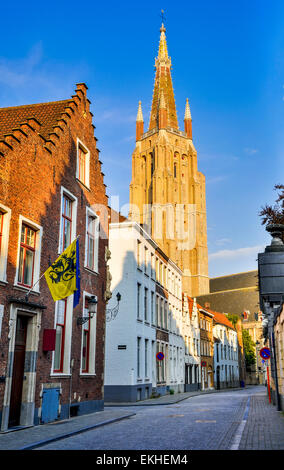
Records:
x=163, y=16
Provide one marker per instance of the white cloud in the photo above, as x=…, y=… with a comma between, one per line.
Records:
x=223, y=241
x=216, y=179
x=251, y=151
x=32, y=78
x=239, y=252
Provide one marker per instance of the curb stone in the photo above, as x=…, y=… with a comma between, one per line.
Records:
x=73, y=433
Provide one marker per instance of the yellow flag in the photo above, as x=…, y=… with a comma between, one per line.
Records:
x=61, y=275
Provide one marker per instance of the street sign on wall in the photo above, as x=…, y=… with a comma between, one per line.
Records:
x=265, y=353
x=160, y=356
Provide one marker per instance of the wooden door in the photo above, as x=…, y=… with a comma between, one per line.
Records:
x=18, y=371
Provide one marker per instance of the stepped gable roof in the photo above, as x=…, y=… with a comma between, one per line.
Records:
x=47, y=114
x=219, y=317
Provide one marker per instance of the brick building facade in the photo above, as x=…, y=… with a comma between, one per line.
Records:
x=206, y=348
x=51, y=191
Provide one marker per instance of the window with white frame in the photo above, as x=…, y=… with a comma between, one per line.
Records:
x=83, y=164
x=146, y=358
x=60, y=326
x=27, y=256
x=146, y=304
x=67, y=219
x=138, y=254
x=138, y=301
x=5, y=216
x=152, y=309
x=145, y=259
x=92, y=240
x=138, y=357
x=28, y=267
x=88, y=339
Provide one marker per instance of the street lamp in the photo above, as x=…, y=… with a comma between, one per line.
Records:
x=92, y=308
x=271, y=290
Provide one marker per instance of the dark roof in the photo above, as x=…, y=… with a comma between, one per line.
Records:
x=47, y=114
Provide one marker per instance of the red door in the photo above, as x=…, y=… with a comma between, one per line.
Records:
x=18, y=371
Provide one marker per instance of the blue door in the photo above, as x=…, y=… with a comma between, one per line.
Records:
x=50, y=404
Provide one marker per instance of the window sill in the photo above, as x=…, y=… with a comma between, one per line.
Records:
x=60, y=374
x=91, y=271
x=87, y=375
x=83, y=184
x=139, y=320
x=26, y=289
x=3, y=283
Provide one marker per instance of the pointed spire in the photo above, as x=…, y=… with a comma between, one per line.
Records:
x=163, y=82
x=139, y=113
x=187, y=120
x=139, y=122
x=163, y=49
x=187, y=114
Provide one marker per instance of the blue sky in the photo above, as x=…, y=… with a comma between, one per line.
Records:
x=228, y=59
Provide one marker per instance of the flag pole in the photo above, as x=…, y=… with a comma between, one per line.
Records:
x=29, y=291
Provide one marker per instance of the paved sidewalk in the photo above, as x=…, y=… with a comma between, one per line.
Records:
x=168, y=399
x=264, y=429
x=30, y=437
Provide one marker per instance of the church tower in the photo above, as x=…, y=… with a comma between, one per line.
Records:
x=167, y=192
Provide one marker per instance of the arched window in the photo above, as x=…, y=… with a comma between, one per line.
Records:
x=175, y=170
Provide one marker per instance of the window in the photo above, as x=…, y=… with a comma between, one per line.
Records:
x=1, y=227
x=166, y=315
x=175, y=170
x=145, y=259
x=146, y=304
x=66, y=222
x=92, y=240
x=146, y=358
x=83, y=164
x=152, y=266
x=138, y=300
x=5, y=216
x=86, y=339
x=138, y=254
x=27, y=256
x=138, y=357
x=60, y=335
x=157, y=311
x=152, y=309
x=161, y=313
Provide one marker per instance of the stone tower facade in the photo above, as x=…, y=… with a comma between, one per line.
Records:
x=167, y=192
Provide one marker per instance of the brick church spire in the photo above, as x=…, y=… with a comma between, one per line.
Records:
x=163, y=86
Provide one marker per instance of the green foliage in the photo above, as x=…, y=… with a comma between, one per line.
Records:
x=233, y=318
x=172, y=391
x=274, y=214
x=248, y=348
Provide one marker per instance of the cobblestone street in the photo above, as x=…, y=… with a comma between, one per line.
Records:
x=230, y=420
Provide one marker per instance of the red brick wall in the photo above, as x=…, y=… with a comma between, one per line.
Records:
x=30, y=182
